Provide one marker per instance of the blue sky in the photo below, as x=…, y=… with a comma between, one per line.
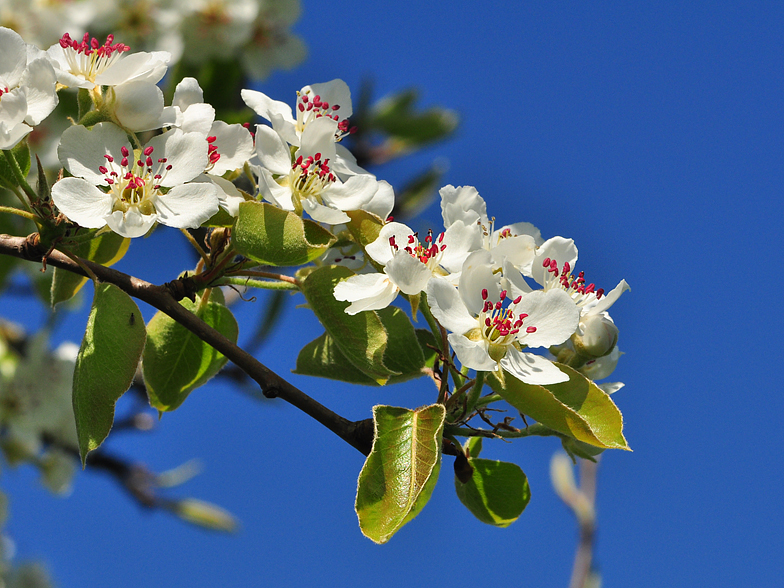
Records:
x=652, y=136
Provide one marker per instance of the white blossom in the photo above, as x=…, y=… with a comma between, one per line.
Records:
x=137, y=188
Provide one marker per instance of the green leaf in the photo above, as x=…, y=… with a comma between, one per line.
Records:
x=271, y=236
x=176, y=361
x=322, y=356
x=21, y=153
x=107, y=249
x=497, y=492
x=364, y=226
x=106, y=364
x=401, y=471
x=577, y=408
x=397, y=116
x=362, y=337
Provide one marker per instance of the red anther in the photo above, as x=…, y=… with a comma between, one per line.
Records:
x=518, y=323
x=301, y=107
x=109, y=181
x=599, y=293
x=566, y=267
x=410, y=239
x=590, y=288
x=102, y=169
x=443, y=247
x=124, y=151
x=530, y=330
x=498, y=305
x=305, y=98
x=109, y=158
x=310, y=107
x=352, y=130
x=211, y=139
x=523, y=316
x=148, y=161
x=503, y=294
x=546, y=262
x=390, y=218
x=124, y=162
x=518, y=299
x=581, y=275
x=140, y=163
x=168, y=167
x=325, y=105
x=157, y=177
x=484, y=294
x=318, y=156
x=392, y=241
x=336, y=107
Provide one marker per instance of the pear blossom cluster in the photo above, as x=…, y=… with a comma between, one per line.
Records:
x=478, y=282
x=499, y=291
x=255, y=33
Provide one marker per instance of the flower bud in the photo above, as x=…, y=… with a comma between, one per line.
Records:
x=596, y=335
x=602, y=367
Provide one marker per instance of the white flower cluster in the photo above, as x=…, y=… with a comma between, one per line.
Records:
x=257, y=33
x=478, y=281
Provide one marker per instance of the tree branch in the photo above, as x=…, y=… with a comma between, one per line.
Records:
x=165, y=298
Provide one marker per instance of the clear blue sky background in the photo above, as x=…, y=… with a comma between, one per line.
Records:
x=652, y=135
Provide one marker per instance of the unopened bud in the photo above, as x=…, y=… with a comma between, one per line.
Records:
x=602, y=367
x=596, y=335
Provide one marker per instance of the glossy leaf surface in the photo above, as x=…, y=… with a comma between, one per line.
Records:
x=401, y=471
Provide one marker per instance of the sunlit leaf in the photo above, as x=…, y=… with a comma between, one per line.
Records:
x=401, y=471
x=271, y=236
x=176, y=361
x=362, y=337
x=106, y=363
x=577, y=408
x=497, y=492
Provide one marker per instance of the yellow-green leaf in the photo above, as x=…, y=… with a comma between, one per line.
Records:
x=106, y=363
x=577, y=408
x=401, y=471
x=176, y=361
x=271, y=236
x=497, y=492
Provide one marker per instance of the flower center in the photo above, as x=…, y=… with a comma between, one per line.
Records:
x=89, y=58
x=310, y=108
x=500, y=324
x=309, y=177
x=574, y=286
x=429, y=252
x=134, y=184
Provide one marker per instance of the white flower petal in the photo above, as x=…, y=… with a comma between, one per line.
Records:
x=138, y=105
x=273, y=152
x=186, y=153
x=235, y=146
x=553, y=313
x=187, y=206
x=557, y=248
x=410, y=274
x=463, y=203
x=448, y=308
x=353, y=194
x=472, y=354
x=324, y=214
x=187, y=93
x=366, y=292
x=265, y=106
x=335, y=92
x=319, y=137
x=460, y=240
x=383, y=201
x=606, y=301
x=82, y=150
x=14, y=52
x=380, y=249
x=477, y=275
x=39, y=81
x=131, y=224
x=532, y=369
x=82, y=202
